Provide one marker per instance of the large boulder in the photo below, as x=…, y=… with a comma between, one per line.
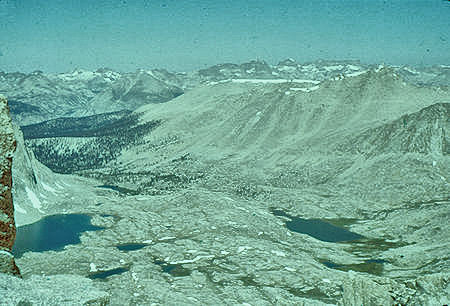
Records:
x=7, y=224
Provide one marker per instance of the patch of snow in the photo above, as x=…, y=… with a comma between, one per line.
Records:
x=353, y=67
x=147, y=241
x=326, y=280
x=34, y=199
x=48, y=188
x=310, y=68
x=306, y=81
x=19, y=209
x=387, y=240
x=43, y=196
x=93, y=267
x=290, y=269
x=410, y=70
x=197, y=258
x=333, y=68
x=6, y=253
x=167, y=238
x=353, y=74
x=242, y=208
x=243, y=248
x=287, y=93
x=224, y=252
x=304, y=89
x=78, y=74
x=273, y=81
x=275, y=73
x=279, y=253
x=219, y=82
x=256, y=81
x=287, y=69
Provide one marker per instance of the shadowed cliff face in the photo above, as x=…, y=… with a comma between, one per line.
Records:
x=7, y=225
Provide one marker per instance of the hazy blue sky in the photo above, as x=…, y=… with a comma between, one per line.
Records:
x=60, y=35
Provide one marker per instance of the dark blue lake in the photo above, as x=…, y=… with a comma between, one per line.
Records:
x=107, y=273
x=317, y=228
x=131, y=246
x=119, y=189
x=52, y=233
x=372, y=266
x=176, y=270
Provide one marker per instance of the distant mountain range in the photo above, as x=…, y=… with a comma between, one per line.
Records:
x=38, y=96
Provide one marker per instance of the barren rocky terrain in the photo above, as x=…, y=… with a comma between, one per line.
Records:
x=202, y=198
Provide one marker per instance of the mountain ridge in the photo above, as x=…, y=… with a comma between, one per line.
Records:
x=38, y=96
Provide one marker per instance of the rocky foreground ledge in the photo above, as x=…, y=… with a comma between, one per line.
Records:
x=7, y=224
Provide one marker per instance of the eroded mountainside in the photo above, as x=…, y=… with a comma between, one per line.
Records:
x=37, y=96
x=213, y=192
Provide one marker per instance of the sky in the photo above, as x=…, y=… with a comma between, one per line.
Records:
x=179, y=35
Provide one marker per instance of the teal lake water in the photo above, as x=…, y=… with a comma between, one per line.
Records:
x=52, y=233
x=317, y=228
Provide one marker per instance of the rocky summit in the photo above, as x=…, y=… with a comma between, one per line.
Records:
x=250, y=190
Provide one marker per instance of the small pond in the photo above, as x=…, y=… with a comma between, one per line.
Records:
x=372, y=266
x=107, y=273
x=176, y=270
x=131, y=246
x=119, y=189
x=52, y=233
x=316, y=228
